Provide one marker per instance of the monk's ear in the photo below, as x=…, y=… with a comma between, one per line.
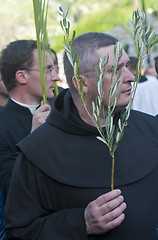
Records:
x=79, y=82
x=21, y=76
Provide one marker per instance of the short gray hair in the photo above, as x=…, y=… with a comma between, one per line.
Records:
x=85, y=46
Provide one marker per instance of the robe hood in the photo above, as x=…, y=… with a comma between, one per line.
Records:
x=67, y=149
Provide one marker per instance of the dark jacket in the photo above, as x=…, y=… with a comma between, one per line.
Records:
x=63, y=166
x=15, y=124
x=3, y=235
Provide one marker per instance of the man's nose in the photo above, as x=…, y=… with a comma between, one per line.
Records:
x=54, y=76
x=130, y=76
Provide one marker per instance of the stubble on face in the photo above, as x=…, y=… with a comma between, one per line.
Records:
x=125, y=80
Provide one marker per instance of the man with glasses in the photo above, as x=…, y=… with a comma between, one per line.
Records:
x=61, y=190
x=19, y=68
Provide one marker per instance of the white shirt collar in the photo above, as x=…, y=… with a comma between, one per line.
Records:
x=32, y=108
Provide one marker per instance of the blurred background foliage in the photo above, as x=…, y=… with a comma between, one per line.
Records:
x=17, y=20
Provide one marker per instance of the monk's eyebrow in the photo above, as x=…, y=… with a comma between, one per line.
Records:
x=127, y=64
x=121, y=65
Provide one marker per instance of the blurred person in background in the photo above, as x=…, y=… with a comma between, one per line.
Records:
x=132, y=65
x=156, y=66
x=146, y=96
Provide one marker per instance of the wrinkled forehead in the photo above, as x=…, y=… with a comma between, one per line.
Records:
x=109, y=51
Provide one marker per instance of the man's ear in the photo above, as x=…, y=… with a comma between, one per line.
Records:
x=79, y=81
x=21, y=76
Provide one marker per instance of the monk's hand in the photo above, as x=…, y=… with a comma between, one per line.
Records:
x=105, y=212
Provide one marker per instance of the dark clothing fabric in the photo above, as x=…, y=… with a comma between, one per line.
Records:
x=63, y=166
x=3, y=235
x=15, y=124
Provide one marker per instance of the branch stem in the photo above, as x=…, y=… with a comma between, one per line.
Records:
x=112, y=172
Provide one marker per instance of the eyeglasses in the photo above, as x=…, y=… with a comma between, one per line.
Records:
x=48, y=70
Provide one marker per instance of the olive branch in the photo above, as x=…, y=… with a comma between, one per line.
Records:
x=143, y=40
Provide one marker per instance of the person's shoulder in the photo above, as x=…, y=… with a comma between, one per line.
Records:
x=2, y=110
x=6, y=128
x=142, y=115
x=151, y=81
x=4, y=116
x=141, y=119
x=30, y=144
x=5, y=110
x=36, y=137
x=151, y=78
